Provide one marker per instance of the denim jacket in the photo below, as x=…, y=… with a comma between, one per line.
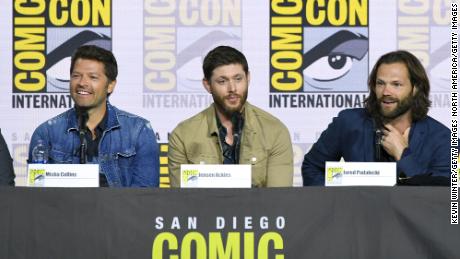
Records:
x=128, y=151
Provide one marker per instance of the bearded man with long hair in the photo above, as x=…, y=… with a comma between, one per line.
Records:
x=393, y=127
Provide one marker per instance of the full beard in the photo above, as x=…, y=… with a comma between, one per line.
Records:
x=228, y=110
x=402, y=106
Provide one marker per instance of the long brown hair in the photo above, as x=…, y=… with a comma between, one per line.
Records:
x=418, y=79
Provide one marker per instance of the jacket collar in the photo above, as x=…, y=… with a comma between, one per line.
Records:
x=210, y=113
x=112, y=118
x=417, y=133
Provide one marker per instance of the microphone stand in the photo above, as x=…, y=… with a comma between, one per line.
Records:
x=378, y=125
x=378, y=143
x=82, y=119
x=237, y=122
x=83, y=147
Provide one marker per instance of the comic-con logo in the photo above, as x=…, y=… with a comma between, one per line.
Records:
x=190, y=176
x=334, y=175
x=246, y=237
x=45, y=34
x=177, y=36
x=318, y=47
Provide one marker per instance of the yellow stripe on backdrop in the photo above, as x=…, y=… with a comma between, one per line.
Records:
x=164, y=171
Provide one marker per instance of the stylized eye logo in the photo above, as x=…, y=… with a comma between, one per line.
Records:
x=333, y=58
x=337, y=61
x=191, y=58
x=329, y=68
x=60, y=71
x=192, y=178
x=58, y=60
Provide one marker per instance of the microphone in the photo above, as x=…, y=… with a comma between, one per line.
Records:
x=378, y=144
x=378, y=139
x=82, y=120
x=237, y=122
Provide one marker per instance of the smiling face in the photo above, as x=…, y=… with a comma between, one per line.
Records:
x=394, y=90
x=89, y=84
x=229, y=88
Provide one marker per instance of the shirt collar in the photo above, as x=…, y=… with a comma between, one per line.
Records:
x=213, y=120
x=110, y=119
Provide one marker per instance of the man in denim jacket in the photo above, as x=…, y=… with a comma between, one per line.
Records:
x=123, y=144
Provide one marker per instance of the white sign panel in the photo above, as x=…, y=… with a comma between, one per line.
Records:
x=360, y=174
x=215, y=176
x=63, y=175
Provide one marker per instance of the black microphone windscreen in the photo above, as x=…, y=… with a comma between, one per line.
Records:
x=82, y=115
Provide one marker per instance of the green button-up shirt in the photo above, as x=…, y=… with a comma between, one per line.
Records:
x=265, y=144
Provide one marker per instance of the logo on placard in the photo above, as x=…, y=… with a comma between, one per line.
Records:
x=36, y=177
x=334, y=175
x=177, y=36
x=45, y=35
x=318, y=54
x=190, y=176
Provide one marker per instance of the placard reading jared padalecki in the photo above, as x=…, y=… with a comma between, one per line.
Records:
x=215, y=176
x=360, y=174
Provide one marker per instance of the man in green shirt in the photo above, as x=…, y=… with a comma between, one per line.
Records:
x=232, y=131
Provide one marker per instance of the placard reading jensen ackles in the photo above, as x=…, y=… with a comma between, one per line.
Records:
x=308, y=59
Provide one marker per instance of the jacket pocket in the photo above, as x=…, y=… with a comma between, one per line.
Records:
x=258, y=161
x=125, y=158
x=124, y=163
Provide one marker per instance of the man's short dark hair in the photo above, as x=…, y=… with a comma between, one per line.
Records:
x=417, y=77
x=102, y=55
x=223, y=55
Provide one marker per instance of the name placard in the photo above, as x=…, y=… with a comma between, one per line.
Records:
x=63, y=175
x=360, y=174
x=215, y=176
